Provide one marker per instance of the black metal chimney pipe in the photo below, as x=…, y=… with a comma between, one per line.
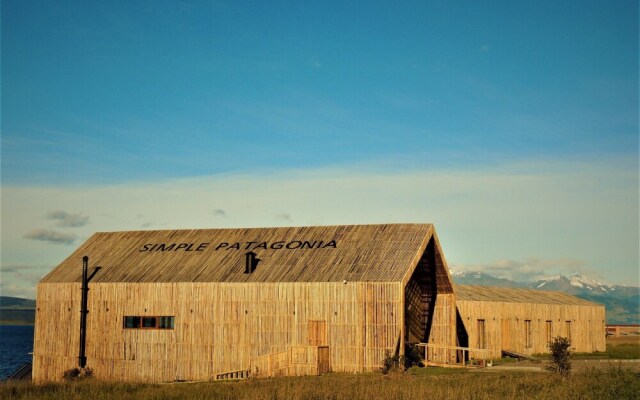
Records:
x=251, y=262
x=82, y=358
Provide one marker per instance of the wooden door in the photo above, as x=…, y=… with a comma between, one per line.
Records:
x=323, y=360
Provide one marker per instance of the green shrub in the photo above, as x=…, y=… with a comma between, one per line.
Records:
x=390, y=363
x=560, y=357
x=411, y=358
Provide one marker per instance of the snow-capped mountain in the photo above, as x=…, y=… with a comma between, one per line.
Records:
x=573, y=284
x=622, y=303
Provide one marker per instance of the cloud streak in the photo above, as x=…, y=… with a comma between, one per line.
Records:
x=531, y=269
x=284, y=217
x=534, y=218
x=51, y=236
x=67, y=220
x=21, y=280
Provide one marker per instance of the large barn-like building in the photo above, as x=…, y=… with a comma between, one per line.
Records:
x=216, y=303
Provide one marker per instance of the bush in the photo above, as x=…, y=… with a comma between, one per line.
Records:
x=74, y=374
x=390, y=362
x=412, y=356
x=410, y=359
x=560, y=357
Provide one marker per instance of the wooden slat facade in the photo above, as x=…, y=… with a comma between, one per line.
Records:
x=525, y=320
x=219, y=327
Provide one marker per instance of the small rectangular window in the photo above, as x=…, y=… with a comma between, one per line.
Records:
x=166, y=323
x=527, y=334
x=568, y=328
x=146, y=322
x=549, y=327
x=131, y=322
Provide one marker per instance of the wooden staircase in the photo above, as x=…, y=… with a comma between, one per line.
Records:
x=232, y=375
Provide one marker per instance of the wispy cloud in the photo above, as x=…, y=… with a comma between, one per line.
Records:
x=21, y=280
x=66, y=219
x=284, y=217
x=530, y=269
x=316, y=64
x=538, y=215
x=218, y=212
x=50, y=236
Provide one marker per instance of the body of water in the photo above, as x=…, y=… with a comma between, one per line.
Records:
x=16, y=342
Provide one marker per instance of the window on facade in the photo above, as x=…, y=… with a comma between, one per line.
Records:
x=482, y=340
x=164, y=322
x=131, y=322
x=527, y=333
x=568, y=328
x=549, y=330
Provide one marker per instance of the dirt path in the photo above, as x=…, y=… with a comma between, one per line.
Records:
x=577, y=365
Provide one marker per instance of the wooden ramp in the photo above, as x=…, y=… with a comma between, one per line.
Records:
x=453, y=356
x=515, y=354
x=21, y=374
x=294, y=361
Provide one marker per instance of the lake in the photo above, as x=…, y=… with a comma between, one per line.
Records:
x=16, y=342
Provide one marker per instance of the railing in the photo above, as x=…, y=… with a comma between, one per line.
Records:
x=241, y=374
x=438, y=354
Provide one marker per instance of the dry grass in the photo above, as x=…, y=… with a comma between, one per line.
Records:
x=629, y=339
x=615, y=383
x=624, y=347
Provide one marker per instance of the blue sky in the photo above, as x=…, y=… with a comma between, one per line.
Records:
x=107, y=97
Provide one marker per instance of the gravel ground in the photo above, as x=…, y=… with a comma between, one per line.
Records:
x=577, y=365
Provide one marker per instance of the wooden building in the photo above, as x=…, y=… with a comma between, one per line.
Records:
x=217, y=303
x=524, y=320
x=205, y=304
x=620, y=330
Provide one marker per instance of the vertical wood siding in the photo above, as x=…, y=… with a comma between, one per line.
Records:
x=505, y=325
x=219, y=327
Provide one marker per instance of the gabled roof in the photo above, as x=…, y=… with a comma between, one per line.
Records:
x=516, y=295
x=384, y=253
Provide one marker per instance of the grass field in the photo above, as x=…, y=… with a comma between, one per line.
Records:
x=435, y=383
x=629, y=339
x=623, y=347
x=594, y=377
x=618, y=348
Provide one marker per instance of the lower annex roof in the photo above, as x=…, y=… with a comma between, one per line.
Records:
x=516, y=295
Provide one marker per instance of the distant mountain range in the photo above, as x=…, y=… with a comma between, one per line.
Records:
x=622, y=303
x=16, y=310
